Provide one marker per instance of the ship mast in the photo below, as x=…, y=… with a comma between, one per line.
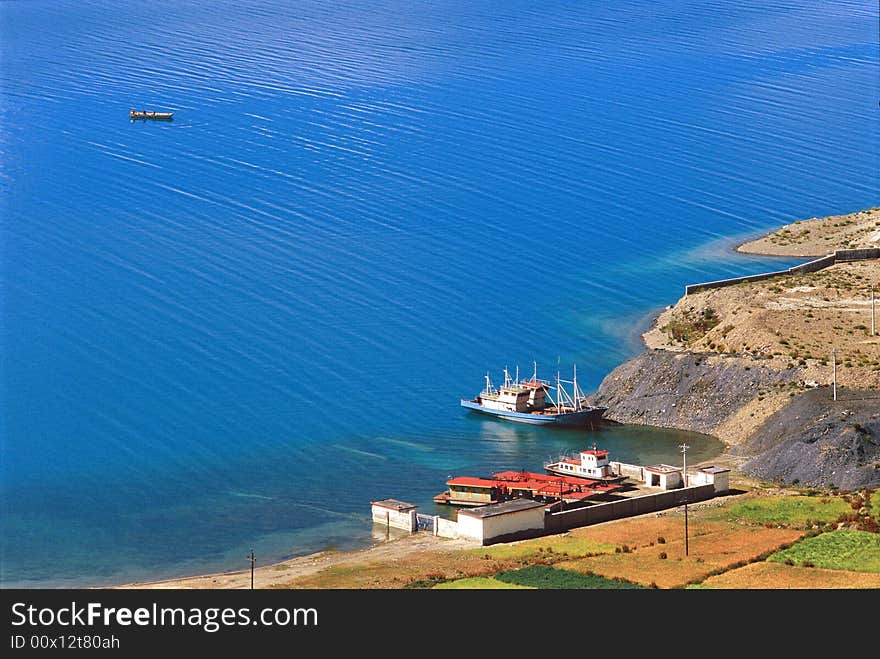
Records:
x=558, y=393
x=577, y=403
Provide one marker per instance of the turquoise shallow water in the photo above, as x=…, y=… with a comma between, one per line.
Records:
x=237, y=328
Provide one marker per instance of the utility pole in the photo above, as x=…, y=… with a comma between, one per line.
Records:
x=834, y=372
x=251, y=558
x=872, y=312
x=684, y=448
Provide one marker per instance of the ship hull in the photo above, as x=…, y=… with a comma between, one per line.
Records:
x=607, y=479
x=581, y=418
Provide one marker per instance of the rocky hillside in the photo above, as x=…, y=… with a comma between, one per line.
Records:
x=777, y=428
x=693, y=391
x=816, y=441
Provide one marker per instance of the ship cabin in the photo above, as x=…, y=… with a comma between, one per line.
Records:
x=592, y=463
x=537, y=393
x=515, y=396
x=509, y=398
x=468, y=491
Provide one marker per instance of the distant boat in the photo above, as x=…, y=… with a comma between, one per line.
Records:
x=145, y=114
x=529, y=401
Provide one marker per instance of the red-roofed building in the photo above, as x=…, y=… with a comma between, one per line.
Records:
x=469, y=491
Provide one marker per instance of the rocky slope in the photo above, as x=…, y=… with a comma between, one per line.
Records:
x=777, y=428
x=815, y=440
x=692, y=391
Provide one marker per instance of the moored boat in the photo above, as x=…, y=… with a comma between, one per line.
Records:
x=591, y=464
x=148, y=114
x=530, y=401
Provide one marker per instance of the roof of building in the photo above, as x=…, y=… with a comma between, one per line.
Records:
x=470, y=481
x=394, y=504
x=663, y=469
x=714, y=470
x=503, y=508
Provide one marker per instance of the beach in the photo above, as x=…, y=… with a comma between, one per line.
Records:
x=392, y=552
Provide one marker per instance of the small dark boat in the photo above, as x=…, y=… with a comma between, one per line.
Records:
x=145, y=114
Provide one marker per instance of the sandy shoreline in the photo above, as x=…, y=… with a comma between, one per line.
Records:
x=271, y=576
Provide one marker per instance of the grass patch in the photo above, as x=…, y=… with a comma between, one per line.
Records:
x=544, y=576
x=691, y=325
x=482, y=583
x=790, y=509
x=858, y=551
x=555, y=546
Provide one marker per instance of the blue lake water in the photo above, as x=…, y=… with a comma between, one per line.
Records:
x=237, y=328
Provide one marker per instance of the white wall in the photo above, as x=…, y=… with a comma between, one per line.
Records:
x=633, y=471
x=513, y=522
x=445, y=528
x=486, y=528
x=722, y=482
x=399, y=520
x=470, y=528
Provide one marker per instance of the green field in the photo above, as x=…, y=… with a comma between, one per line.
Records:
x=563, y=546
x=485, y=583
x=838, y=550
x=544, y=576
x=789, y=509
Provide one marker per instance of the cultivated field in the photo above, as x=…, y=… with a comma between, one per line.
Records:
x=766, y=575
x=713, y=546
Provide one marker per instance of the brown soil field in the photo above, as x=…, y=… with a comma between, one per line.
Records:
x=713, y=545
x=778, y=575
x=819, y=236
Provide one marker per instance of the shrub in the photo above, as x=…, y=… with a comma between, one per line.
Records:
x=663, y=555
x=661, y=540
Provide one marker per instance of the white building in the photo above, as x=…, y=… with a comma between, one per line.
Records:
x=666, y=477
x=717, y=476
x=487, y=522
x=396, y=514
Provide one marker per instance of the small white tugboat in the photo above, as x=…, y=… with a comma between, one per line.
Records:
x=591, y=464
